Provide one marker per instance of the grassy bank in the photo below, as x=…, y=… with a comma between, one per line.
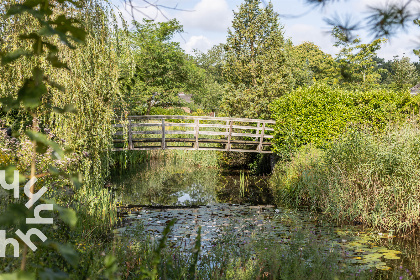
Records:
x=359, y=178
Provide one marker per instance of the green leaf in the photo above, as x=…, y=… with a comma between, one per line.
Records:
x=49, y=274
x=15, y=214
x=12, y=56
x=67, y=215
x=76, y=179
x=67, y=252
x=32, y=91
x=20, y=275
x=69, y=108
x=42, y=141
x=111, y=266
x=55, y=62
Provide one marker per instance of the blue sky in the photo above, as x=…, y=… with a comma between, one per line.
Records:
x=206, y=22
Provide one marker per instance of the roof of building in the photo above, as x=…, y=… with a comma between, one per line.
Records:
x=415, y=90
x=185, y=97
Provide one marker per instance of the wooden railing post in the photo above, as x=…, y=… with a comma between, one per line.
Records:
x=130, y=136
x=258, y=130
x=163, y=145
x=229, y=136
x=197, y=129
x=260, y=147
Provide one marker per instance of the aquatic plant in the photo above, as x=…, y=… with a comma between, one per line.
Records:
x=360, y=178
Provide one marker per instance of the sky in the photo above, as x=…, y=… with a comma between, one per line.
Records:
x=206, y=22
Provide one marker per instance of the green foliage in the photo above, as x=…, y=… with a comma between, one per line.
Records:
x=404, y=75
x=312, y=63
x=320, y=113
x=256, y=62
x=361, y=178
x=161, y=69
x=356, y=61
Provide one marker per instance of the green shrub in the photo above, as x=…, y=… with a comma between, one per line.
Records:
x=319, y=113
x=361, y=177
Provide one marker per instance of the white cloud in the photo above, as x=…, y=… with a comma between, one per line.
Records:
x=300, y=33
x=208, y=15
x=139, y=10
x=200, y=43
x=401, y=46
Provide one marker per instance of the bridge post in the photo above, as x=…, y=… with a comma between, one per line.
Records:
x=261, y=138
x=197, y=129
x=130, y=136
x=163, y=145
x=229, y=136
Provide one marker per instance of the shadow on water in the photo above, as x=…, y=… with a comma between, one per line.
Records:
x=240, y=203
x=175, y=182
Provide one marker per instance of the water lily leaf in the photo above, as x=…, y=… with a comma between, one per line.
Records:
x=382, y=266
x=391, y=256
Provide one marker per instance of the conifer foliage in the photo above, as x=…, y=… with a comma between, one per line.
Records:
x=256, y=61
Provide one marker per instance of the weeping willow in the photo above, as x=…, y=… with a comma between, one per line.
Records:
x=90, y=85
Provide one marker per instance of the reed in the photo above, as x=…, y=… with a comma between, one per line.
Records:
x=360, y=178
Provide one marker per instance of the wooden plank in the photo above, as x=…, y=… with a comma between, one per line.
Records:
x=188, y=132
x=214, y=125
x=197, y=131
x=229, y=136
x=191, y=149
x=158, y=117
x=217, y=133
x=145, y=124
x=163, y=135
x=148, y=132
x=181, y=124
x=252, y=135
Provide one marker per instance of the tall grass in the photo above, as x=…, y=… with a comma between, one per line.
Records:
x=363, y=178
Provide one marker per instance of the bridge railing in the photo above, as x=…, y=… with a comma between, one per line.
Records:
x=193, y=133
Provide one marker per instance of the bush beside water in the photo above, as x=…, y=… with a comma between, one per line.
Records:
x=320, y=113
x=361, y=177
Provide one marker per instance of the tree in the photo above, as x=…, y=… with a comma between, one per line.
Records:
x=356, y=60
x=313, y=63
x=403, y=75
x=161, y=68
x=256, y=61
x=212, y=61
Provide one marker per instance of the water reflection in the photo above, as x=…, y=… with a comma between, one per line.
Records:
x=179, y=183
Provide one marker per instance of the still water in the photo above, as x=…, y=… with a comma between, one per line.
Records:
x=240, y=205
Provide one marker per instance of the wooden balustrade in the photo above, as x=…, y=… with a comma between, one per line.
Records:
x=193, y=133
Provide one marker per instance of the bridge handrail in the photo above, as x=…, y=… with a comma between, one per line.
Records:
x=159, y=117
x=229, y=132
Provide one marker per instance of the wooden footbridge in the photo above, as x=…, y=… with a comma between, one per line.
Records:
x=193, y=133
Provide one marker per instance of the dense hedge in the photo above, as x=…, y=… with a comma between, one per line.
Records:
x=319, y=113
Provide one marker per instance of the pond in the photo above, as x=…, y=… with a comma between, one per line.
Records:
x=239, y=204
